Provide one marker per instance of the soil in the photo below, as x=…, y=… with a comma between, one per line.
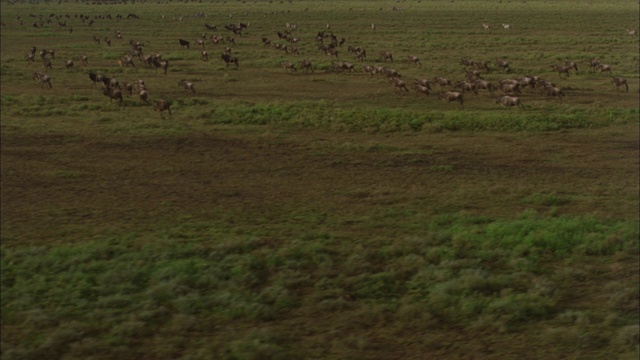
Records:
x=70, y=187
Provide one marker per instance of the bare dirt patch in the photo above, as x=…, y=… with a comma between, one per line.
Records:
x=63, y=187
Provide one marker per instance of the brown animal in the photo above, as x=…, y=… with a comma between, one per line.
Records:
x=161, y=106
x=450, y=96
x=113, y=94
x=385, y=55
x=554, y=91
x=399, y=84
x=306, y=66
x=144, y=96
x=289, y=66
x=562, y=69
x=466, y=86
x=187, y=86
x=442, y=81
x=68, y=64
x=228, y=59
x=43, y=79
x=603, y=68
x=503, y=64
x=619, y=81
x=485, y=85
x=412, y=59
x=510, y=101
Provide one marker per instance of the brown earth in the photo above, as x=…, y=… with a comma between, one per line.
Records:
x=69, y=187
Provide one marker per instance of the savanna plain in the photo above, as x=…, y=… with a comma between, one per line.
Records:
x=326, y=213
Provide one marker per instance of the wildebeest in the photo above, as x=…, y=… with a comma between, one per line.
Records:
x=341, y=66
x=399, y=84
x=204, y=55
x=113, y=93
x=187, y=86
x=503, y=64
x=144, y=96
x=562, y=69
x=412, y=59
x=85, y=60
x=510, y=101
x=68, y=64
x=289, y=66
x=603, y=68
x=442, y=81
x=593, y=64
x=42, y=78
x=554, y=91
x=450, y=96
x=421, y=89
x=619, y=81
x=184, y=44
x=571, y=64
x=126, y=61
x=128, y=88
x=466, y=86
x=47, y=64
x=510, y=86
x=164, y=64
x=161, y=106
x=228, y=59
x=385, y=55
x=306, y=66
x=484, y=85
x=107, y=41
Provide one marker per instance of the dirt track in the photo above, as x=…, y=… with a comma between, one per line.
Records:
x=67, y=188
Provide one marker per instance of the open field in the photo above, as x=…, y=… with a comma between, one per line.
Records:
x=328, y=215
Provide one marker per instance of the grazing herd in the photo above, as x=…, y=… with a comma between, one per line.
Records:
x=510, y=89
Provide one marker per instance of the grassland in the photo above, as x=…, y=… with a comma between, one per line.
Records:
x=324, y=215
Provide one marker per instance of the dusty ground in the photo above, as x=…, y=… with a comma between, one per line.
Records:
x=69, y=187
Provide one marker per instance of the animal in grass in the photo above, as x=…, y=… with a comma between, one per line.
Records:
x=604, y=68
x=399, y=84
x=144, y=96
x=619, y=81
x=554, y=91
x=43, y=79
x=450, y=96
x=228, y=59
x=414, y=60
x=187, y=86
x=113, y=93
x=184, y=44
x=510, y=101
x=291, y=67
x=161, y=106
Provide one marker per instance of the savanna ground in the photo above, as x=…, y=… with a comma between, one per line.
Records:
x=324, y=215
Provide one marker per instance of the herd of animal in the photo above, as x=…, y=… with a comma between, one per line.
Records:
x=327, y=43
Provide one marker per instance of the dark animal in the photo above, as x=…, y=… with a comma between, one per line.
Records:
x=228, y=59
x=184, y=44
x=113, y=94
x=161, y=106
